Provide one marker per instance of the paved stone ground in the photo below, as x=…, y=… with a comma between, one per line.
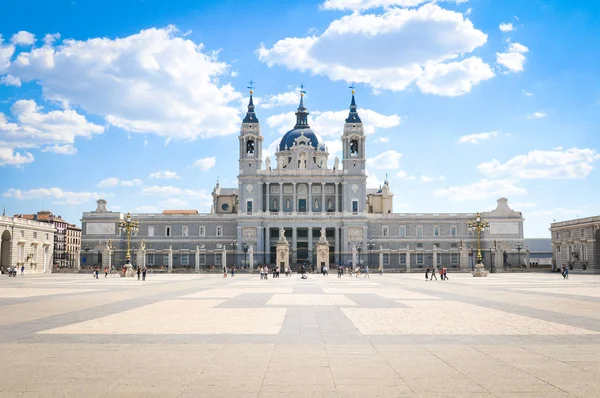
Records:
x=516, y=335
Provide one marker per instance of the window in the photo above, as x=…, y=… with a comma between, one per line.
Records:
x=354, y=148
x=454, y=245
x=150, y=259
x=454, y=258
x=202, y=258
x=569, y=234
x=385, y=231
x=249, y=206
x=584, y=253
x=201, y=231
x=558, y=235
x=185, y=259
x=355, y=206
x=218, y=259
x=402, y=232
x=219, y=231
x=165, y=259
x=21, y=253
x=419, y=245
x=386, y=258
x=582, y=233
x=419, y=230
x=454, y=231
x=185, y=231
x=438, y=259
x=570, y=253
x=402, y=258
x=167, y=231
x=150, y=230
x=22, y=234
x=419, y=258
x=436, y=231
x=35, y=235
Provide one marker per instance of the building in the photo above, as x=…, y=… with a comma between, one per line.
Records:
x=26, y=243
x=576, y=244
x=60, y=235
x=538, y=252
x=73, y=246
x=302, y=194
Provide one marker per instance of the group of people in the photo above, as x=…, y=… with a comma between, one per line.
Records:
x=12, y=271
x=443, y=271
x=358, y=271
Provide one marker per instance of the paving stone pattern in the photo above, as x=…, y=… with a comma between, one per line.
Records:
x=508, y=335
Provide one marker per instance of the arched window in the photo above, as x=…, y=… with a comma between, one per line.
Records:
x=354, y=147
x=250, y=147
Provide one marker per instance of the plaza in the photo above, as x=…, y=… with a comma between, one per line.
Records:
x=396, y=335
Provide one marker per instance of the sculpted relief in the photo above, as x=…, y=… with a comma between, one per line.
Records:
x=355, y=233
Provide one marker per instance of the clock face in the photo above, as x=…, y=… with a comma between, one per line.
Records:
x=225, y=206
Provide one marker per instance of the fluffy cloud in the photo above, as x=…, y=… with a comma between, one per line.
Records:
x=205, y=163
x=331, y=123
x=506, y=27
x=151, y=82
x=62, y=197
x=513, y=59
x=537, y=115
x=9, y=157
x=538, y=164
x=23, y=38
x=372, y=180
x=109, y=182
x=405, y=176
x=359, y=5
x=398, y=47
x=10, y=80
x=55, y=131
x=131, y=183
x=202, y=197
x=387, y=160
x=476, y=138
x=172, y=203
x=484, y=189
x=6, y=53
x=272, y=101
x=383, y=139
x=165, y=175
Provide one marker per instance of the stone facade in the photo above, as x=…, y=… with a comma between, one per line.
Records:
x=60, y=254
x=576, y=244
x=73, y=246
x=300, y=195
x=26, y=243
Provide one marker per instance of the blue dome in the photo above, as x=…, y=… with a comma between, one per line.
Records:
x=290, y=137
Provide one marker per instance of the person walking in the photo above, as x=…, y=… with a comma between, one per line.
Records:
x=224, y=272
x=445, y=273
x=144, y=271
x=139, y=273
x=433, y=275
x=260, y=268
x=266, y=272
x=367, y=272
x=233, y=271
x=22, y=270
x=565, y=272
x=105, y=272
x=427, y=274
x=340, y=271
x=380, y=270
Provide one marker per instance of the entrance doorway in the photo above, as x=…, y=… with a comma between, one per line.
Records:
x=5, y=247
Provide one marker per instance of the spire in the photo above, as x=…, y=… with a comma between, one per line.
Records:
x=301, y=113
x=353, y=115
x=250, y=115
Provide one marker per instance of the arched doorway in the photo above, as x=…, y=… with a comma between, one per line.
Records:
x=5, y=250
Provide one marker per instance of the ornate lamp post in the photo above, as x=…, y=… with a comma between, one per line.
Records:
x=129, y=227
x=519, y=247
x=359, y=249
x=370, y=246
x=234, y=246
x=245, y=249
x=479, y=226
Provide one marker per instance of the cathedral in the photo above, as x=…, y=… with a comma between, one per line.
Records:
x=299, y=195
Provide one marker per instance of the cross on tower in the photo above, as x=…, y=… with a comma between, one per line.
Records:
x=353, y=87
x=251, y=86
x=302, y=91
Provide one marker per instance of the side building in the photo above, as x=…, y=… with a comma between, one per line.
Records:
x=26, y=243
x=576, y=244
x=301, y=194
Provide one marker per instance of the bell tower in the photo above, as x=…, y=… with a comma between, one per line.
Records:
x=250, y=141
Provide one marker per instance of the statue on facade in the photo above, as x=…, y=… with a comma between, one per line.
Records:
x=329, y=205
x=287, y=203
x=143, y=244
x=268, y=163
x=316, y=203
x=336, y=163
x=282, y=235
x=323, y=238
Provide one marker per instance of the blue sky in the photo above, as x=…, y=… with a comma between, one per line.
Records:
x=139, y=102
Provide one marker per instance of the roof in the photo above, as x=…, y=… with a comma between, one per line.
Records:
x=289, y=139
x=538, y=245
x=180, y=212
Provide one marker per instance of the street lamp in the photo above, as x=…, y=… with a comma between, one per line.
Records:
x=370, y=246
x=519, y=247
x=245, y=249
x=129, y=227
x=479, y=226
x=234, y=246
x=359, y=249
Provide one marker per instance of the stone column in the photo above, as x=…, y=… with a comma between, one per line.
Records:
x=268, y=245
x=197, y=269
x=141, y=257
x=280, y=197
x=336, y=245
x=268, y=204
x=498, y=260
x=407, y=258
x=224, y=256
x=322, y=251
x=294, y=242
x=310, y=244
x=251, y=257
x=354, y=257
x=309, y=208
x=434, y=258
x=170, y=256
x=107, y=258
x=381, y=257
x=323, y=204
x=294, y=198
x=463, y=257
x=335, y=192
x=527, y=258
x=77, y=258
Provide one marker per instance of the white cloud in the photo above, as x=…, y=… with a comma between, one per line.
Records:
x=10, y=80
x=23, y=38
x=334, y=147
x=537, y=115
x=385, y=160
x=527, y=93
x=506, y=27
x=476, y=138
x=151, y=82
x=383, y=139
x=539, y=164
x=398, y=47
x=202, y=197
x=11, y=158
x=131, y=183
x=427, y=178
x=6, y=53
x=360, y=5
x=51, y=38
x=405, y=176
x=555, y=212
x=372, y=180
x=109, y=182
x=205, y=163
x=513, y=59
x=63, y=197
x=484, y=189
x=66, y=149
x=146, y=209
x=173, y=203
x=287, y=98
x=469, y=11
x=55, y=131
x=165, y=175
x=523, y=205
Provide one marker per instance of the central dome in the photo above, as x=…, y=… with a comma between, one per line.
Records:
x=289, y=139
x=301, y=129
